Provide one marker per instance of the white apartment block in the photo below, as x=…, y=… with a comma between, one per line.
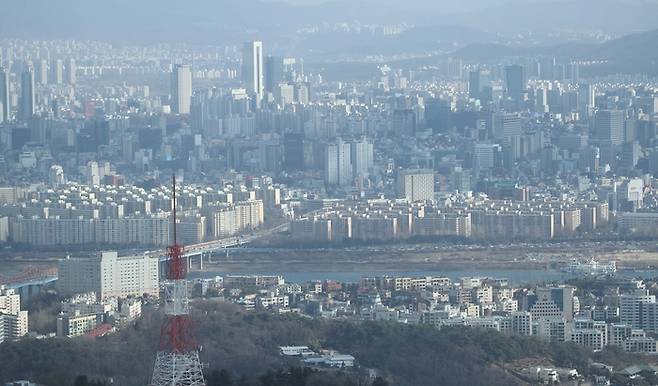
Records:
x=13, y=321
x=252, y=281
x=521, y=323
x=109, y=275
x=87, y=303
x=131, y=308
x=592, y=338
x=618, y=333
x=633, y=305
x=640, y=345
x=76, y=324
x=230, y=220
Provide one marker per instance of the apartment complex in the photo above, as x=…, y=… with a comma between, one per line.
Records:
x=128, y=215
x=477, y=218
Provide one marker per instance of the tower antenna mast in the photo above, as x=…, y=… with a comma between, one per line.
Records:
x=177, y=360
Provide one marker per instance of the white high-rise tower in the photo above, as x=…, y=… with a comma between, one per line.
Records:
x=181, y=89
x=4, y=95
x=252, y=69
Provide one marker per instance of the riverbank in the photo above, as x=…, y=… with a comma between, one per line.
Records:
x=399, y=257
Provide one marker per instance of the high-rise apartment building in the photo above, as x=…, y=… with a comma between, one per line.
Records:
x=181, y=89
x=586, y=99
x=13, y=321
x=57, y=72
x=337, y=164
x=638, y=309
x=109, y=275
x=42, y=72
x=70, y=72
x=362, y=157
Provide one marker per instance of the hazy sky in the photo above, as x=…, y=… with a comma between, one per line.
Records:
x=235, y=20
x=447, y=5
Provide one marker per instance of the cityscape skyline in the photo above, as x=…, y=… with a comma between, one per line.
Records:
x=363, y=193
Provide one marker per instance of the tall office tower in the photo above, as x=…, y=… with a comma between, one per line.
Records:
x=415, y=184
x=541, y=100
x=506, y=125
x=177, y=361
x=362, y=157
x=337, y=164
x=57, y=69
x=27, y=94
x=293, y=152
x=630, y=154
x=404, y=121
x=547, y=68
x=609, y=126
x=574, y=72
x=252, y=69
x=199, y=113
x=181, y=89
x=70, y=73
x=515, y=81
x=274, y=72
x=474, y=86
x=551, y=302
x=42, y=72
x=4, y=95
x=485, y=156
x=586, y=99
x=438, y=115
x=569, y=102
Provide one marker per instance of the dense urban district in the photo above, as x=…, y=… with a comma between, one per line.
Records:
x=454, y=219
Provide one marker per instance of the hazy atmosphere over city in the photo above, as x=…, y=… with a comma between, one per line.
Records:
x=328, y=192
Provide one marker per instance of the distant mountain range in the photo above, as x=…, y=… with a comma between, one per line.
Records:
x=635, y=53
x=632, y=54
x=221, y=21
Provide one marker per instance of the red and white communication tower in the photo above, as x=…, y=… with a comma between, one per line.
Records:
x=177, y=361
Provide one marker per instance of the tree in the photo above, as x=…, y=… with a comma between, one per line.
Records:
x=81, y=380
x=379, y=381
x=220, y=378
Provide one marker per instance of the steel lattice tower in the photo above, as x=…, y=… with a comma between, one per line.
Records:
x=177, y=361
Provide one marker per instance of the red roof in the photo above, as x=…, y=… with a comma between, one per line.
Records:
x=101, y=330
